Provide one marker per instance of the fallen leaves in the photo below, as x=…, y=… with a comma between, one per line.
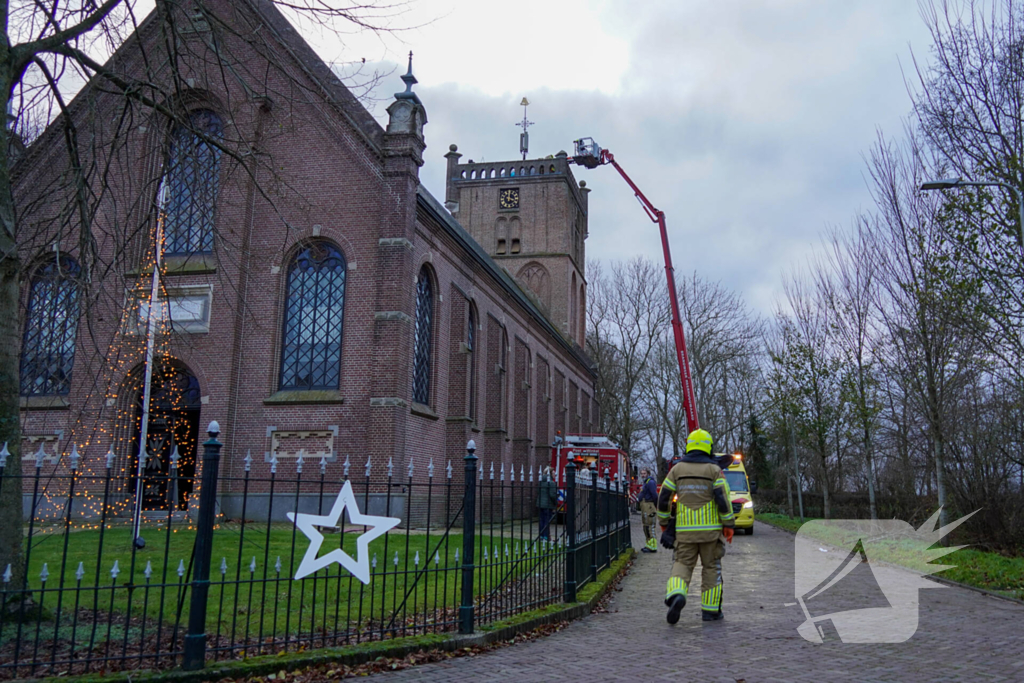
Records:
x=335, y=671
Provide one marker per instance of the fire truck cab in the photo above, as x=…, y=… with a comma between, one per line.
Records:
x=594, y=452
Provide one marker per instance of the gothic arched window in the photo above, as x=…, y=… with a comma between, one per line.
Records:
x=470, y=342
x=424, y=333
x=191, y=184
x=313, y=315
x=51, y=325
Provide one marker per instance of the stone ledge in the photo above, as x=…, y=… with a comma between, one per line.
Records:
x=44, y=403
x=388, y=402
x=393, y=315
x=290, y=397
x=423, y=411
x=395, y=242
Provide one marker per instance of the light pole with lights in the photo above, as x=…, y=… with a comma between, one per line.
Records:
x=950, y=183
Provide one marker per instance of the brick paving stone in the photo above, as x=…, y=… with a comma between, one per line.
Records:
x=962, y=635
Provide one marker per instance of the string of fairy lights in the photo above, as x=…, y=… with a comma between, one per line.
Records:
x=109, y=440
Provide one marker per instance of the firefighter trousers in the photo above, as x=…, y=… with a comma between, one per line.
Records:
x=648, y=511
x=710, y=555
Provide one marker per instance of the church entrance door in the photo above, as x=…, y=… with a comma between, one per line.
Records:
x=173, y=425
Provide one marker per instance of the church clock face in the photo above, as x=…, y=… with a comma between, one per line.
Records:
x=508, y=198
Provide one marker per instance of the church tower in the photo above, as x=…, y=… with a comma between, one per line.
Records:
x=531, y=217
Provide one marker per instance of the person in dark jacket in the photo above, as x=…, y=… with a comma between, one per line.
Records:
x=547, y=500
x=648, y=500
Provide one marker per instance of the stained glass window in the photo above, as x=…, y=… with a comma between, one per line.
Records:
x=192, y=181
x=424, y=327
x=314, y=309
x=51, y=325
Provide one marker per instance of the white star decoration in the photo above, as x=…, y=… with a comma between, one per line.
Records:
x=306, y=523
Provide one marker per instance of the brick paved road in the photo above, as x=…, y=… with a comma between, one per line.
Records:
x=962, y=635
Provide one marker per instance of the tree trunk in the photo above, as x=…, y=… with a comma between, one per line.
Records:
x=10, y=430
x=869, y=458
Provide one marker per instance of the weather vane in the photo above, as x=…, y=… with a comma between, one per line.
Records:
x=524, y=137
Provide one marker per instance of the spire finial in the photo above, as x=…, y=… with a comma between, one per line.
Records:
x=524, y=137
x=409, y=81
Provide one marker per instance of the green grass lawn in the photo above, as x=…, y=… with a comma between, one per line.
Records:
x=409, y=581
x=988, y=570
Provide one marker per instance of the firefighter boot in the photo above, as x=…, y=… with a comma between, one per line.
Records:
x=711, y=603
x=652, y=545
x=675, y=599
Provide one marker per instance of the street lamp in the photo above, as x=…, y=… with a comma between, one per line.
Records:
x=949, y=183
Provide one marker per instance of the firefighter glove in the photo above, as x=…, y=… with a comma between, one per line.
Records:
x=668, y=538
x=728, y=532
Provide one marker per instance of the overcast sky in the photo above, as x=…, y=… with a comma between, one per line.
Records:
x=745, y=121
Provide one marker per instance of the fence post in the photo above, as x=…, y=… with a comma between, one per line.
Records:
x=594, y=478
x=569, y=590
x=466, y=614
x=608, y=517
x=194, y=650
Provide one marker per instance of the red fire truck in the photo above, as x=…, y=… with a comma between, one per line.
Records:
x=594, y=452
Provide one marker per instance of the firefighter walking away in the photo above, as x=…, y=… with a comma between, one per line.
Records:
x=702, y=525
x=648, y=500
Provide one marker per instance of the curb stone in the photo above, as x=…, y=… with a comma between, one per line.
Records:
x=360, y=654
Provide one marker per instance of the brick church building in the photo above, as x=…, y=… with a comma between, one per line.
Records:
x=317, y=300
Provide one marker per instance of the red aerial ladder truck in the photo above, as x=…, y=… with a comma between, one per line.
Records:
x=590, y=155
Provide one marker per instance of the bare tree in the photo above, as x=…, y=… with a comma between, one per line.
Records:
x=628, y=312
x=929, y=306
x=131, y=72
x=846, y=286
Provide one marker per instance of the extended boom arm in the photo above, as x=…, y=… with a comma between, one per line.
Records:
x=589, y=155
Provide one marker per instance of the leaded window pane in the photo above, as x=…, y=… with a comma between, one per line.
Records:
x=192, y=181
x=470, y=338
x=314, y=309
x=424, y=326
x=51, y=326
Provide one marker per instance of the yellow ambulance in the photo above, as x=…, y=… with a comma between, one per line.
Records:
x=740, y=493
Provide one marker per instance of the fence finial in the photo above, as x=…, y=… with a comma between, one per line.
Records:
x=181, y=568
x=410, y=467
x=79, y=573
x=45, y=574
x=391, y=467
x=430, y=468
x=522, y=473
x=492, y=470
x=115, y=570
x=367, y=467
x=248, y=461
x=4, y=454
x=502, y=471
x=273, y=463
x=323, y=466
x=148, y=571
x=175, y=457
x=299, y=462
x=74, y=457
x=214, y=429
x=110, y=457
x=40, y=454
x=449, y=469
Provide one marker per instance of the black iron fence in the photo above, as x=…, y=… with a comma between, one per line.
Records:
x=276, y=556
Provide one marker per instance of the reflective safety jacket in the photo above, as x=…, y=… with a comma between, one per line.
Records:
x=703, y=506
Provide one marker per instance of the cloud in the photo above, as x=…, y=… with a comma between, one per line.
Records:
x=746, y=122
